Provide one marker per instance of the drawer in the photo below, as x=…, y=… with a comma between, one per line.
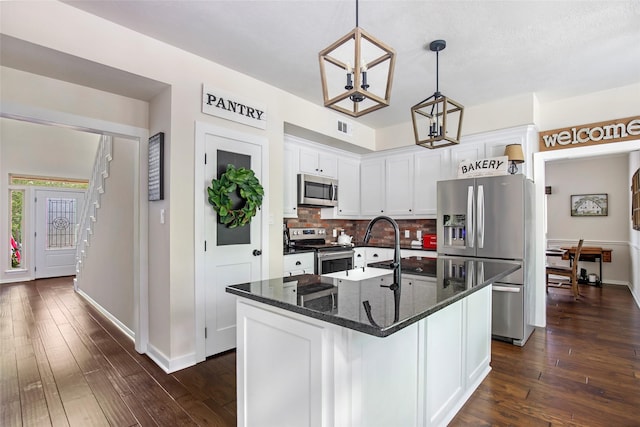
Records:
x=299, y=263
x=606, y=256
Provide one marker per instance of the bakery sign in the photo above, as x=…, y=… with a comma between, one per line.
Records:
x=216, y=102
x=592, y=134
x=491, y=166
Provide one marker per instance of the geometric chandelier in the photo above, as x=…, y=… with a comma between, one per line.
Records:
x=357, y=73
x=437, y=120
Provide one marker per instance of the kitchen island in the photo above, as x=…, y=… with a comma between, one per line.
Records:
x=345, y=349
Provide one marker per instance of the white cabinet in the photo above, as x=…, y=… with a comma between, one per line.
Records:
x=465, y=151
x=359, y=258
x=289, y=181
x=378, y=254
x=399, y=185
x=317, y=162
x=299, y=264
x=478, y=326
x=429, y=166
x=425, y=372
x=372, y=188
x=348, y=187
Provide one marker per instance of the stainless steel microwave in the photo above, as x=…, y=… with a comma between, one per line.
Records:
x=317, y=191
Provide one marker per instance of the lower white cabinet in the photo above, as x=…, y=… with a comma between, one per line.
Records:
x=303, y=263
x=359, y=258
x=378, y=254
x=295, y=370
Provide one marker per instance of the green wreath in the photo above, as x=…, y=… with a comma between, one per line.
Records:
x=242, y=182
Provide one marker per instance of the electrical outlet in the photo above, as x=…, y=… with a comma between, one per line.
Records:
x=419, y=234
x=407, y=234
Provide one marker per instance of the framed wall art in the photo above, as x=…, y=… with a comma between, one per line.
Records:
x=590, y=204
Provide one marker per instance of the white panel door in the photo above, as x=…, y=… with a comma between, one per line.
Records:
x=232, y=256
x=56, y=227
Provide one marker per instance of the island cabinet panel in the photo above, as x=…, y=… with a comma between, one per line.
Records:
x=478, y=326
x=444, y=379
x=282, y=365
x=384, y=379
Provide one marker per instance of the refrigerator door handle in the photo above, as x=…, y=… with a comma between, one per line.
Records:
x=470, y=231
x=512, y=289
x=480, y=214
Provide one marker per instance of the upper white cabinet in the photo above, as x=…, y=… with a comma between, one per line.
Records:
x=348, y=187
x=372, y=187
x=317, y=162
x=290, y=183
x=399, y=185
x=492, y=144
x=429, y=167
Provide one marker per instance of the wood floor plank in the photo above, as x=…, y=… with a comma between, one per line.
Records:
x=582, y=370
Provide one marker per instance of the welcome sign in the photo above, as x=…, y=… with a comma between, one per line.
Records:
x=216, y=102
x=491, y=166
x=591, y=134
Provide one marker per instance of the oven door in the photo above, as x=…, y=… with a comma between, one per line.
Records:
x=333, y=261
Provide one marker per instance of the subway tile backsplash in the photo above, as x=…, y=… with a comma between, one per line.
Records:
x=382, y=233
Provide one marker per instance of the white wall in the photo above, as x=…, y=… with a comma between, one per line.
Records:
x=107, y=274
x=114, y=46
x=38, y=150
x=602, y=174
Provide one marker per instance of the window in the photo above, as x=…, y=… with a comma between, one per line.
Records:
x=17, y=227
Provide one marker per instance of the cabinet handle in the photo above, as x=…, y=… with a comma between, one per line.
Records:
x=359, y=256
x=375, y=255
x=294, y=209
x=409, y=210
x=298, y=263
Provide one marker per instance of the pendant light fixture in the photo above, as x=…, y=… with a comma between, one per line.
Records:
x=437, y=121
x=357, y=73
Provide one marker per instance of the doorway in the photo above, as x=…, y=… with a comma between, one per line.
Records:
x=225, y=256
x=57, y=216
x=539, y=172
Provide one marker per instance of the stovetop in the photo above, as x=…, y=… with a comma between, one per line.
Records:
x=313, y=238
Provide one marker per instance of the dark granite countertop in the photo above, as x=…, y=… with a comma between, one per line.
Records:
x=340, y=301
x=420, y=266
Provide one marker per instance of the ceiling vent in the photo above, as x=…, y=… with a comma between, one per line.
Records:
x=345, y=128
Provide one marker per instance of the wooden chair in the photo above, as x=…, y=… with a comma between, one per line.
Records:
x=570, y=272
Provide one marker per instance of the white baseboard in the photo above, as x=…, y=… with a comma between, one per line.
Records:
x=128, y=332
x=170, y=365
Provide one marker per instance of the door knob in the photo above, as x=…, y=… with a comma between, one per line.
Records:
x=257, y=252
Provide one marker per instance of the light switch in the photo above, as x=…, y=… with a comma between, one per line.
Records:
x=407, y=234
x=161, y=216
x=419, y=234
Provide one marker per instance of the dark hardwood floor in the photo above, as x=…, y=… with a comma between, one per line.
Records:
x=63, y=363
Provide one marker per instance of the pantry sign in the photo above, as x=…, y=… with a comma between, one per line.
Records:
x=618, y=130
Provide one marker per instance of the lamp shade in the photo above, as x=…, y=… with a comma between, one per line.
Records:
x=514, y=152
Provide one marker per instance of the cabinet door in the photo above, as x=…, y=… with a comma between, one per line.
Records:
x=318, y=163
x=372, y=187
x=328, y=164
x=359, y=258
x=348, y=187
x=290, y=184
x=470, y=151
x=429, y=168
x=478, y=335
x=399, y=185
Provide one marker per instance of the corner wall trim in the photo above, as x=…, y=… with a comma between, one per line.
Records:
x=124, y=328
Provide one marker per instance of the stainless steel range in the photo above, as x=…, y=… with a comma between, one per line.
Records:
x=330, y=257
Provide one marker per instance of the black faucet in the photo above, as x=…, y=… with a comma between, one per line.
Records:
x=395, y=287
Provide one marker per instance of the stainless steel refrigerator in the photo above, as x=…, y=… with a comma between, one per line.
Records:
x=492, y=218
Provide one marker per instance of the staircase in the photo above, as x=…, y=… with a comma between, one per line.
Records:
x=89, y=214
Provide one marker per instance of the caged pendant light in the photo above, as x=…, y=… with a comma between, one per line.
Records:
x=437, y=120
x=357, y=73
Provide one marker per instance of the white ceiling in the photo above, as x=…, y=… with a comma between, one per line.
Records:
x=495, y=49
